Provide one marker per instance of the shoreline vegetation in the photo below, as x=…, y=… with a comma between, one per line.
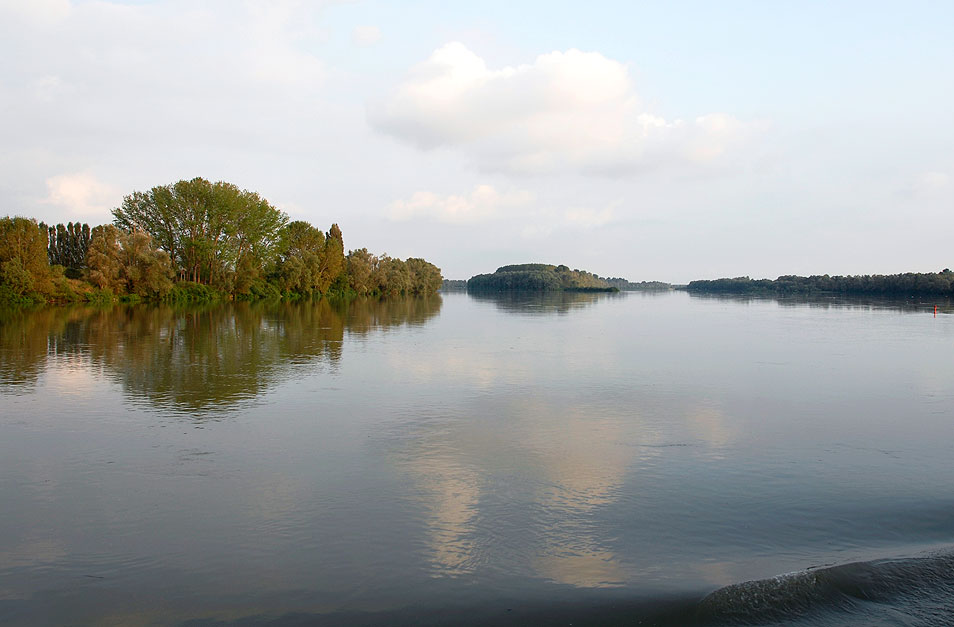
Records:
x=541, y=277
x=195, y=242
x=904, y=285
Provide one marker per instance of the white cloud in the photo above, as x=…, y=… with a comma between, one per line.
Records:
x=589, y=218
x=483, y=203
x=151, y=92
x=48, y=89
x=568, y=110
x=365, y=35
x=930, y=182
x=83, y=195
x=37, y=11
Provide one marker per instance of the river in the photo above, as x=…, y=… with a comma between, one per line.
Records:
x=641, y=458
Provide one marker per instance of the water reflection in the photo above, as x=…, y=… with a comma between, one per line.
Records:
x=657, y=444
x=835, y=301
x=542, y=303
x=528, y=484
x=191, y=359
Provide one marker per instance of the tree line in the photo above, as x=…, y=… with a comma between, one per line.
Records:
x=195, y=240
x=906, y=284
x=629, y=286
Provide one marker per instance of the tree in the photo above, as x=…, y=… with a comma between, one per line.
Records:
x=360, y=265
x=23, y=250
x=332, y=259
x=397, y=280
x=15, y=277
x=104, y=258
x=425, y=277
x=146, y=271
x=67, y=246
x=214, y=233
x=299, y=257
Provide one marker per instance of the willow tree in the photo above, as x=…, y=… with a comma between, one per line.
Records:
x=128, y=263
x=147, y=271
x=214, y=233
x=103, y=258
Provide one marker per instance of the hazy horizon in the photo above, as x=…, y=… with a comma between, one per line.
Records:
x=668, y=143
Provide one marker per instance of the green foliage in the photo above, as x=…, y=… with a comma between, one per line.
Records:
x=195, y=242
x=103, y=259
x=189, y=292
x=215, y=233
x=360, y=264
x=101, y=297
x=332, y=261
x=300, y=250
x=67, y=246
x=424, y=277
x=24, y=267
x=537, y=277
x=147, y=272
x=261, y=289
x=627, y=286
x=15, y=277
x=453, y=285
x=907, y=284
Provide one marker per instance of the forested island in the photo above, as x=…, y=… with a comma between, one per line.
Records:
x=898, y=285
x=539, y=277
x=195, y=241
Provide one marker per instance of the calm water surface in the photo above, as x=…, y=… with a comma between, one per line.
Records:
x=653, y=458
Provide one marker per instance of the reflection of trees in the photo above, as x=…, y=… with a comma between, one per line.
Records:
x=197, y=358
x=366, y=314
x=24, y=338
x=865, y=303
x=541, y=303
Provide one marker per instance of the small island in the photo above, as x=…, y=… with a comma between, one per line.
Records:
x=539, y=277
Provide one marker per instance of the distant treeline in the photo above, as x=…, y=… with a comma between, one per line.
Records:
x=907, y=284
x=628, y=286
x=538, y=277
x=195, y=241
x=453, y=285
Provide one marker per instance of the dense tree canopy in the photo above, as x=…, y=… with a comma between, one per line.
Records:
x=67, y=245
x=195, y=240
x=907, y=284
x=537, y=277
x=24, y=265
x=214, y=233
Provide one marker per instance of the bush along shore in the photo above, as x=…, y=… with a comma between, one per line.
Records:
x=195, y=241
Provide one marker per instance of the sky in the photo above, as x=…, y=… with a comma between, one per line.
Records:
x=652, y=141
